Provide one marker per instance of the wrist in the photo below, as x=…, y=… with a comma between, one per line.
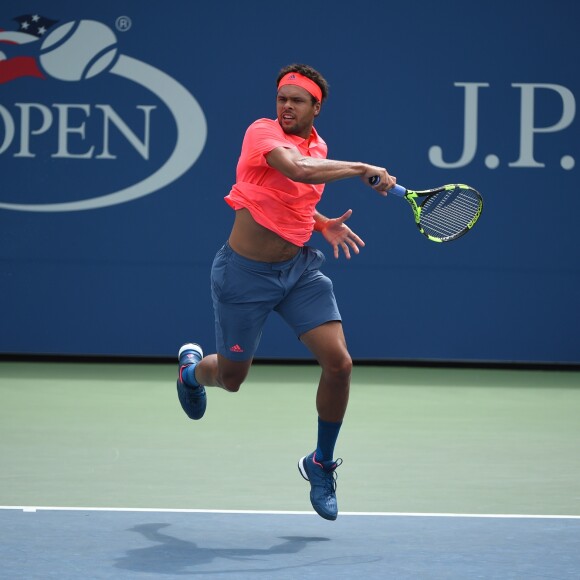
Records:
x=363, y=167
x=320, y=223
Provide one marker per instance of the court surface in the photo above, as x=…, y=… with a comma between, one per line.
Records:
x=448, y=473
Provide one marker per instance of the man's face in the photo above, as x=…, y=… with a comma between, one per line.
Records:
x=296, y=111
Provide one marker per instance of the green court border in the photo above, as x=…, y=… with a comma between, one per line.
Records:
x=415, y=439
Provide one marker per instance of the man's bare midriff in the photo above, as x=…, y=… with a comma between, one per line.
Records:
x=255, y=242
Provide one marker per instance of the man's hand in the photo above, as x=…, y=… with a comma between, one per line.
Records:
x=339, y=235
x=385, y=181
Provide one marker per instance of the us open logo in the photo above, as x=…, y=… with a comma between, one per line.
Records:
x=69, y=56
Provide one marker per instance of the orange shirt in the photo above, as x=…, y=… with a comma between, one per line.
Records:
x=276, y=202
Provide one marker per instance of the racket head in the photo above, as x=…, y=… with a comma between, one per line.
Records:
x=446, y=213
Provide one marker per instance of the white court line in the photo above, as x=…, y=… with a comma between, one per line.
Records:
x=288, y=513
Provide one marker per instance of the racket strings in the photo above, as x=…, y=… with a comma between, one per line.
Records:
x=450, y=213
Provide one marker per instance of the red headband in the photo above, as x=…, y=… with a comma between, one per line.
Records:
x=294, y=78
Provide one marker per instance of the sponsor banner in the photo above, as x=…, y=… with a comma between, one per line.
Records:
x=120, y=128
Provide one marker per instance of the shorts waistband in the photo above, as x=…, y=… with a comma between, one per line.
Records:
x=263, y=266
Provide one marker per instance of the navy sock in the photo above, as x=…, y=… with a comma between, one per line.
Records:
x=188, y=376
x=327, y=436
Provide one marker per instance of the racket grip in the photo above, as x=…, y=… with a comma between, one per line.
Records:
x=396, y=189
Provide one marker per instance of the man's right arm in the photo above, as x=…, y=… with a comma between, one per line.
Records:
x=297, y=167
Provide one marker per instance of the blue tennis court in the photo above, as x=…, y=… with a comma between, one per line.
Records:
x=146, y=544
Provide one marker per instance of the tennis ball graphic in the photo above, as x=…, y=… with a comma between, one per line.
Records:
x=78, y=50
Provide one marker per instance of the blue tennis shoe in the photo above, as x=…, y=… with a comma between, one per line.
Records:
x=322, y=485
x=192, y=399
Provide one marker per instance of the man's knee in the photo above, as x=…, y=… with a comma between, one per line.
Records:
x=231, y=379
x=339, y=367
x=231, y=384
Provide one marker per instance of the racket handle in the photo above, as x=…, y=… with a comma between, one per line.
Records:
x=396, y=189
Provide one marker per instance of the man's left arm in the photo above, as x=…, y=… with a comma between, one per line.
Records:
x=338, y=234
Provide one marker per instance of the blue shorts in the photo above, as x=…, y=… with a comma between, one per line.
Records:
x=244, y=293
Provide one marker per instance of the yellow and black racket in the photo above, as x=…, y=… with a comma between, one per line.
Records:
x=445, y=213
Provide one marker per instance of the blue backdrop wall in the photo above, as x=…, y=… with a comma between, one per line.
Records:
x=120, y=128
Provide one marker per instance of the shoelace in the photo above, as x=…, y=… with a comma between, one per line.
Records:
x=330, y=481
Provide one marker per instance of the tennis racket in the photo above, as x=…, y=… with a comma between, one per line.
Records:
x=446, y=213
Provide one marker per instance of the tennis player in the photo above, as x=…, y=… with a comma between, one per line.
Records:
x=266, y=265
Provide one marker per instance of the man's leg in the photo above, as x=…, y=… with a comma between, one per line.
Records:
x=213, y=370
x=328, y=345
x=216, y=370
x=196, y=372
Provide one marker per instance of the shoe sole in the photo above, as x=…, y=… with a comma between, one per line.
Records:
x=190, y=346
x=302, y=468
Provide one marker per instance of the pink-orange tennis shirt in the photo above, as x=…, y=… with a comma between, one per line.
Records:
x=276, y=202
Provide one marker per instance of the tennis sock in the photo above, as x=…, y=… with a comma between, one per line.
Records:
x=327, y=436
x=188, y=376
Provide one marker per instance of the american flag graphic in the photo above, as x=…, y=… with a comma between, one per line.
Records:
x=19, y=46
